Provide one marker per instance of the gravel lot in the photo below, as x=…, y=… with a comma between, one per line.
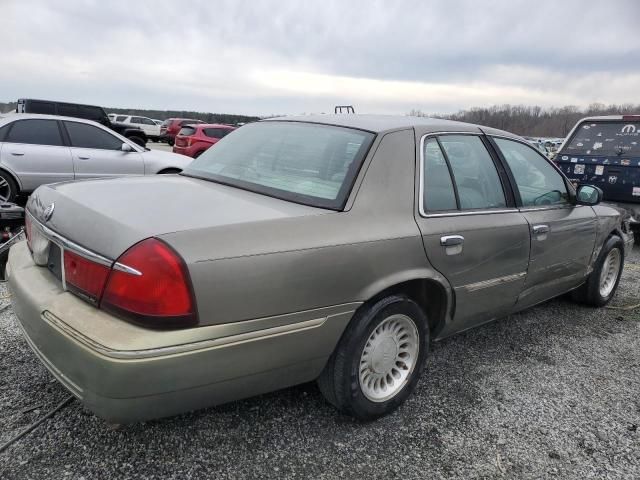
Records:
x=551, y=392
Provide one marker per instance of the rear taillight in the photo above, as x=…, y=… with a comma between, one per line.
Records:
x=150, y=284
x=85, y=277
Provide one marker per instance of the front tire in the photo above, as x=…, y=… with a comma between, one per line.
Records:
x=602, y=283
x=8, y=188
x=378, y=360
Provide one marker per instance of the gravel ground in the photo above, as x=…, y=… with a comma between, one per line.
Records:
x=551, y=392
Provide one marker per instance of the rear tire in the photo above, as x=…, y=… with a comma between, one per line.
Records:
x=378, y=360
x=602, y=282
x=8, y=188
x=170, y=142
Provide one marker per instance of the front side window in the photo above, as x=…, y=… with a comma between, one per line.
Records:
x=301, y=162
x=474, y=172
x=538, y=183
x=35, y=132
x=88, y=136
x=439, y=194
x=121, y=118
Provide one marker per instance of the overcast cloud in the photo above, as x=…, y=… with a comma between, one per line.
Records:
x=287, y=56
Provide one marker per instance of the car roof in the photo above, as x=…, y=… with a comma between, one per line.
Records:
x=5, y=118
x=610, y=117
x=213, y=125
x=385, y=123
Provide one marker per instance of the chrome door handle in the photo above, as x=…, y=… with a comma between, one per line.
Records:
x=17, y=154
x=451, y=240
x=540, y=229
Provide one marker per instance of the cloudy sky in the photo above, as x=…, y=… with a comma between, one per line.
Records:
x=289, y=56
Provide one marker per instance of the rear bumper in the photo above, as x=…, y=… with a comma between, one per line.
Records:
x=125, y=373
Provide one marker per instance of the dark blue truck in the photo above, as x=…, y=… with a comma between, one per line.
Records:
x=605, y=151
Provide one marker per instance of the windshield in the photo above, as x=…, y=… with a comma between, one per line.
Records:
x=605, y=138
x=301, y=162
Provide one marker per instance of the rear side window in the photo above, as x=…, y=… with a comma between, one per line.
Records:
x=35, y=132
x=187, y=131
x=88, y=136
x=91, y=113
x=605, y=138
x=538, y=183
x=166, y=123
x=35, y=106
x=474, y=172
x=67, y=110
x=121, y=118
x=439, y=194
x=216, y=132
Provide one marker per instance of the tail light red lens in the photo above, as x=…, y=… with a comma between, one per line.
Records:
x=155, y=289
x=85, y=277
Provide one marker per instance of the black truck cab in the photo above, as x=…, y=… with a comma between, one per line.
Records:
x=605, y=151
x=89, y=112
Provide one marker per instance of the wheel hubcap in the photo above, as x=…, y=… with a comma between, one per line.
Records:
x=5, y=190
x=388, y=358
x=609, y=272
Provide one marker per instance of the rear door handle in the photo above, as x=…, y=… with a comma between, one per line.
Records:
x=451, y=240
x=540, y=229
x=82, y=157
x=17, y=154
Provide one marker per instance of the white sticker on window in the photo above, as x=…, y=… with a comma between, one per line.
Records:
x=578, y=169
x=574, y=160
x=599, y=169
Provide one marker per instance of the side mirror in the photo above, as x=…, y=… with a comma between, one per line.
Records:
x=588, y=195
x=126, y=147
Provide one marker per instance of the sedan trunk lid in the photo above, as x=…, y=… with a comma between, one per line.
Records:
x=107, y=216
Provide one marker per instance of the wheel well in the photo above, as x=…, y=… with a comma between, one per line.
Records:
x=427, y=293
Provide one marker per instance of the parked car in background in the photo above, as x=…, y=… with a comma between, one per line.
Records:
x=89, y=112
x=329, y=247
x=40, y=149
x=157, y=122
x=150, y=128
x=605, y=151
x=171, y=126
x=193, y=140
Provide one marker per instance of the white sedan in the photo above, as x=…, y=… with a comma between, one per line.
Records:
x=41, y=149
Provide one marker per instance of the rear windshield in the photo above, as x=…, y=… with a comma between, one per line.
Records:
x=216, y=132
x=605, y=138
x=187, y=131
x=304, y=163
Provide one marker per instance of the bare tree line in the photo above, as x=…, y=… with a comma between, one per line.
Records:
x=533, y=121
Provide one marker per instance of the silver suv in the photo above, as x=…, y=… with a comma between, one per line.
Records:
x=41, y=149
